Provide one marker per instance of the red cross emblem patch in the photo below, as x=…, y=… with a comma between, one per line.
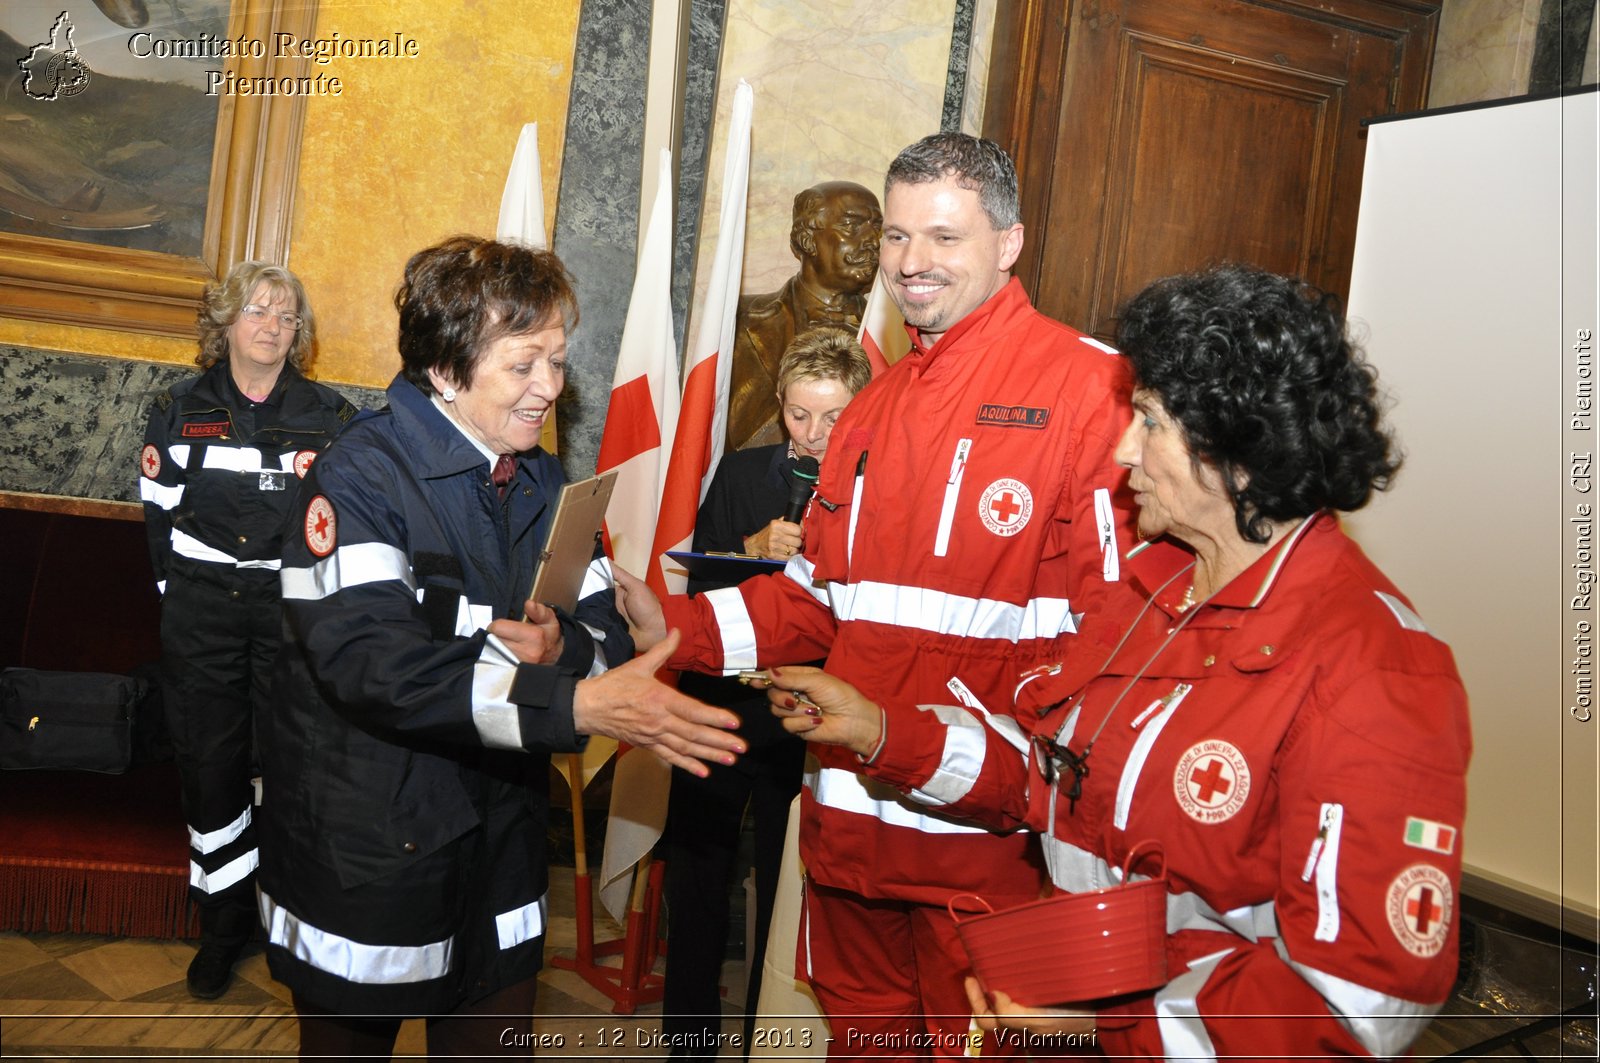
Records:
x=321, y=527
x=302, y=462
x=1421, y=905
x=150, y=461
x=1212, y=781
x=1005, y=507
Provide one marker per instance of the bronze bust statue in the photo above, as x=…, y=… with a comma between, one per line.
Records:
x=837, y=225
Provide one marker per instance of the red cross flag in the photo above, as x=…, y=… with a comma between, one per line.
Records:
x=639, y=790
x=644, y=395
x=883, y=331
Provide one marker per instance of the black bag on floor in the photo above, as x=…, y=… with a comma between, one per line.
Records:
x=67, y=720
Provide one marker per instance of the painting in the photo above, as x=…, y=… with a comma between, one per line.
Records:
x=131, y=172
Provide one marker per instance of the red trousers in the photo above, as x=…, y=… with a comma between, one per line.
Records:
x=888, y=975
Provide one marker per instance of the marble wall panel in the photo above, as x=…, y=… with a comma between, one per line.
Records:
x=597, y=220
x=982, y=49
x=1484, y=50
x=73, y=424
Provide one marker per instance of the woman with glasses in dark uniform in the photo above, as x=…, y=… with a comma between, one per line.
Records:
x=223, y=455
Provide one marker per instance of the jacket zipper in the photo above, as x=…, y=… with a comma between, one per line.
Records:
x=855, y=511
x=1323, y=863
x=952, y=488
x=1162, y=709
x=1105, y=522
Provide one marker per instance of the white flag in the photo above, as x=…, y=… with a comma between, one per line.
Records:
x=522, y=202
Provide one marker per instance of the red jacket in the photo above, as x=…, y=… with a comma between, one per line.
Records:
x=964, y=519
x=1299, y=746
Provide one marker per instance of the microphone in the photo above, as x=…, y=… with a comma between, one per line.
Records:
x=803, y=473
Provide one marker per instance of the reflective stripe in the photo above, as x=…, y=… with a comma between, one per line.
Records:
x=738, y=631
x=160, y=494
x=1141, y=751
x=521, y=924
x=961, y=761
x=231, y=873
x=1385, y=1025
x=1097, y=345
x=1076, y=870
x=598, y=666
x=805, y=916
x=190, y=547
x=348, y=566
x=1253, y=922
x=471, y=618
x=187, y=545
x=352, y=960
x=244, y=459
x=848, y=792
x=180, y=454
x=1408, y=619
x=925, y=609
x=211, y=841
x=596, y=578
x=803, y=573
x=496, y=718
x=161, y=586
x=1183, y=1032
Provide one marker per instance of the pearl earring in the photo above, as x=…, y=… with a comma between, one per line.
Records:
x=449, y=395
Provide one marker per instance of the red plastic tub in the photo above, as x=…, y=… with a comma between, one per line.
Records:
x=1073, y=946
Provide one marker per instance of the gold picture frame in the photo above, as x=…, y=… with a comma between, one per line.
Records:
x=249, y=209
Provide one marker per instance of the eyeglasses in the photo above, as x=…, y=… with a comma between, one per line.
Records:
x=258, y=315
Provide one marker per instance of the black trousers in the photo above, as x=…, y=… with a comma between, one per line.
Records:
x=499, y=1026
x=704, y=821
x=219, y=641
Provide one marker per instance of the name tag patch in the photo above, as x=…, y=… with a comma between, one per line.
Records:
x=1013, y=416
x=205, y=429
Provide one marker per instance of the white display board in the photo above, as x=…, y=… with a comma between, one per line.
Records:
x=1475, y=291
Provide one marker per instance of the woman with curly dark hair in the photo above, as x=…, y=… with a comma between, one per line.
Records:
x=1256, y=697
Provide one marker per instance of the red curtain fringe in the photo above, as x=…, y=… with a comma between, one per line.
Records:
x=82, y=897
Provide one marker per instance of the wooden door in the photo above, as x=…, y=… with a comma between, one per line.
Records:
x=1155, y=136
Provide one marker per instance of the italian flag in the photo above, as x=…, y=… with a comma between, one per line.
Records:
x=1426, y=834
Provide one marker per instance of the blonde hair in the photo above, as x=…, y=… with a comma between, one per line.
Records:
x=223, y=301
x=824, y=354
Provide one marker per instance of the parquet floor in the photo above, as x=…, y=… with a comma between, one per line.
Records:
x=83, y=997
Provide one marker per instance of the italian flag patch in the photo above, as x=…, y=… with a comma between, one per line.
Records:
x=1434, y=837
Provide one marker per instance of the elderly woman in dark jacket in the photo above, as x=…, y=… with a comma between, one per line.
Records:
x=419, y=695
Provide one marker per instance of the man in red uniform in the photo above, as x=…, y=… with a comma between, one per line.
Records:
x=968, y=513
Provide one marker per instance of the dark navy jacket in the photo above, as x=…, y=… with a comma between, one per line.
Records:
x=218, y=472
x=405, y=763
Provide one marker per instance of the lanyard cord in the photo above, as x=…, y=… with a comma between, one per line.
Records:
x=1079, y=762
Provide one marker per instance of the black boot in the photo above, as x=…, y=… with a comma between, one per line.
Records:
x=224, y=931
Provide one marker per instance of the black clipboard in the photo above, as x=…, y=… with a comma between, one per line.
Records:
x=570, y=546
x=726, y=569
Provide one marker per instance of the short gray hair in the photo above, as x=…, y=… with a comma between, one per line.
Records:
x=978, y=164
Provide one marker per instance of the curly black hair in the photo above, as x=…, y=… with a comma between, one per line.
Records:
x=1257, y=370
